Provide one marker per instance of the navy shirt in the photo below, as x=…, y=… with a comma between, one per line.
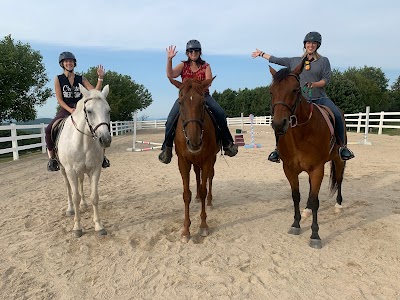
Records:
x=70, y=94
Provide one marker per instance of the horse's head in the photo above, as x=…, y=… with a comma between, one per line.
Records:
x=192, y=110
x=285, y=97
x=96, y=111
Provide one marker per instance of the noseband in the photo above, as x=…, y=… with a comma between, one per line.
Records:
x=293, y=109
x=92, y=130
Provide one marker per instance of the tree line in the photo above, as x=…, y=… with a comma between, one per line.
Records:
x=352, y=90
x=23, y=82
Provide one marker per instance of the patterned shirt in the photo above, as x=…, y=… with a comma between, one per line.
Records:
x=200, y=74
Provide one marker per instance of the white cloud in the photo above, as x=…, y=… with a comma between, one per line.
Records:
x=356, y=32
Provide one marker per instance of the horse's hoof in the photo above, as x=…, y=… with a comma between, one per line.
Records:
x=77, y=233
x=338, y=208
x=210, y=207
x=294, y=230
x=203, y=232
x=185, y=239
x=69, y=213
x=316, y=244
x=102, y=232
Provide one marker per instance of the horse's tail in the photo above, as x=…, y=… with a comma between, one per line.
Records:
x=333, y=184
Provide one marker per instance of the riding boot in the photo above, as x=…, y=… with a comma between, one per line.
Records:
x=274, y=156
x=166, y=155
x=106, y=162
x=230, y=149
x=53, y=165
x=345, y=153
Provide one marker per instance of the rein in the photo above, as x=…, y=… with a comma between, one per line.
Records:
x=293, y=109
x=92, y=130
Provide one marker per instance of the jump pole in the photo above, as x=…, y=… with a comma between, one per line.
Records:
x=134, y=141
x=365, y=141
x=252, y=144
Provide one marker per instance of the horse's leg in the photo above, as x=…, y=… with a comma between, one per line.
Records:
x=205, y=175
x=184, y=168
x=316, y=177
x=73, y=181
x=83, y=203
x=337, y=171
x=197, y=172
x=209, y=193
x=70, y=209
x=293, y=179
x=94, y=195
x=307, y=212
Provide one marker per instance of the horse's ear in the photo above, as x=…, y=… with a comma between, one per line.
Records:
x=300, y=67
x=272, y=70
x=207, y=82
x=84, y=91
x=175, y=82
x=106, y=90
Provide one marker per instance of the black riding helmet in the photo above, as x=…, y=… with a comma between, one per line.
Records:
x=193, y=44
x=66, y=55
x=313, y=36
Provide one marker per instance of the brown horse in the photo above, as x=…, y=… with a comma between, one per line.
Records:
x=195, y=144
x=305, y=144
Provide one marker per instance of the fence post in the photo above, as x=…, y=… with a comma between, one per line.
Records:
x=365, y=141
x=241, y=117
x=43, y=138
x=359, y=122
x=14, y=141
x=382, y=116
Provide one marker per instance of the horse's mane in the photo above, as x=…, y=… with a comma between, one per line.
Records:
x=194, y=84
x=281, y=74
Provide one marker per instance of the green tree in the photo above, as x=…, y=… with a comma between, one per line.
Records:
x=371, y=84
x=125, y=95
x=394, y=96
x=22, y=81
x=344, y=93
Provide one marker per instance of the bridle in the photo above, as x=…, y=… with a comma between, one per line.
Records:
x=92, y=130
x=200, y=122
x=293, y=109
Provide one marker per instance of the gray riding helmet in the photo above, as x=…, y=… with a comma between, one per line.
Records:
x=193, y=44
x=313, y=36
x=66, y=55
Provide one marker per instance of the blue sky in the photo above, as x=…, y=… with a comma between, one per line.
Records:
x=130, y=37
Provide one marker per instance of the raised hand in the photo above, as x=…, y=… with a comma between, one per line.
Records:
x=256, y=53
x=100, y=71
x=171, y=52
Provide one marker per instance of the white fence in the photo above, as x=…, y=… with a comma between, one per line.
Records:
x=358, y=121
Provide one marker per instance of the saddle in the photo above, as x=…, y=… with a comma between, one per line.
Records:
x=330, y=121
x=56, y=130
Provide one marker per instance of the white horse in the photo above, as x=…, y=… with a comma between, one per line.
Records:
x=81, y=149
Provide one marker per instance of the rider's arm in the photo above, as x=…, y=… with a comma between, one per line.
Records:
x=173, y=72
x=89, y=87
x=59, y=97
x=208, y=74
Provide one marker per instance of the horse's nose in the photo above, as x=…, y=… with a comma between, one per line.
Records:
x=281, y=127
x=105, y=141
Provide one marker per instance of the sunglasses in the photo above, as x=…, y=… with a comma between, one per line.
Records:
x=193, y=50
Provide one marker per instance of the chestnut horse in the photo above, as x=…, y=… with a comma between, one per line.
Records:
x=195, y=144
x=305, y=144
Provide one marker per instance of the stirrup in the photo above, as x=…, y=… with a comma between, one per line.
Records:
x=274, y=156
x=231, y=149
x=166, y=155
x=53, y=165
x=345, y=153
x=106, y=163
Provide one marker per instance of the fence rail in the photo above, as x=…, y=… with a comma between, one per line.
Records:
x=366, y=120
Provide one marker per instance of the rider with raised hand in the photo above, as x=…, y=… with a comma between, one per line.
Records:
x=315, y=76
x=193, y=67
x=68, y=94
